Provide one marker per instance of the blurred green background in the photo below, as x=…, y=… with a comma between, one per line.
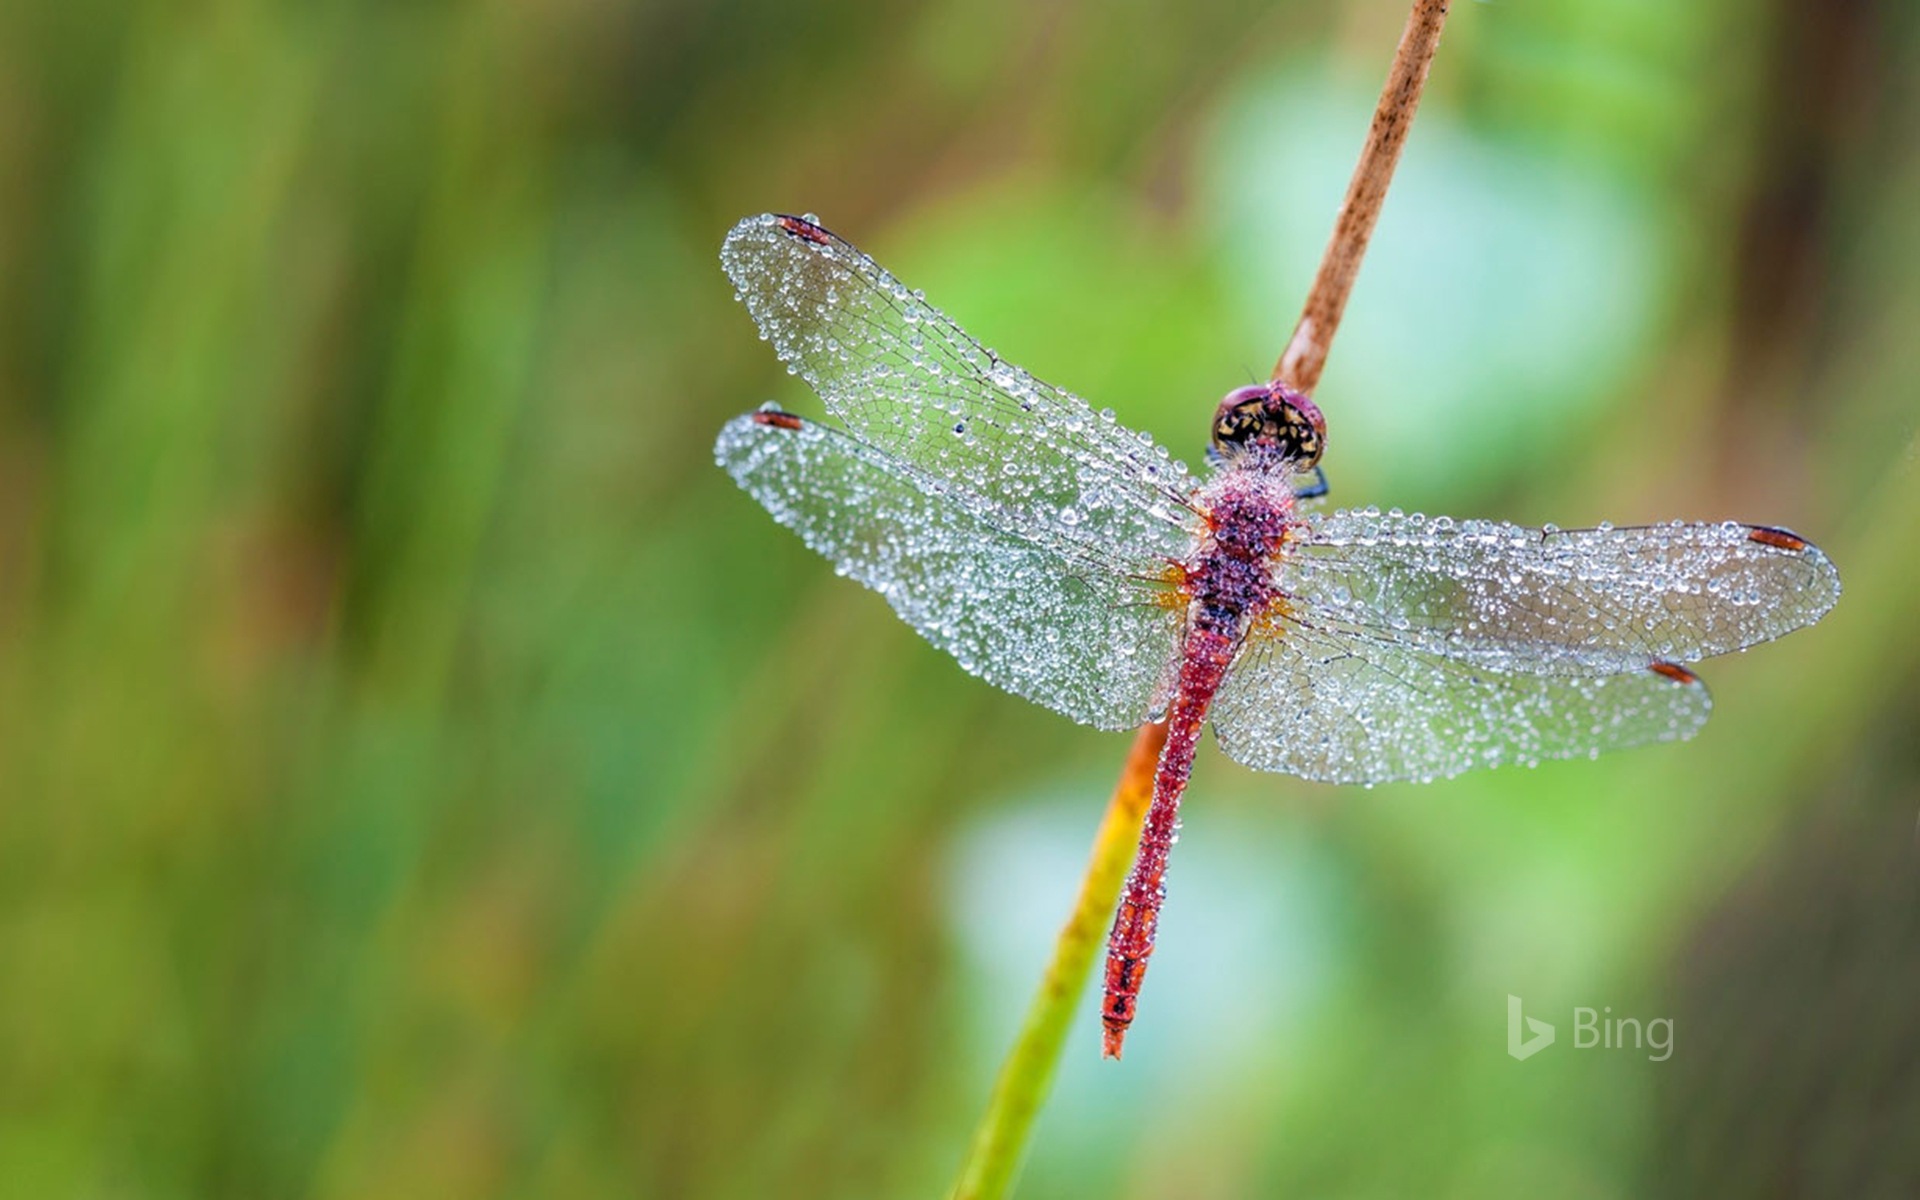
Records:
x=422, y=773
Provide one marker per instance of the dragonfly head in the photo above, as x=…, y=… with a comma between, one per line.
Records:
x=1271, y=422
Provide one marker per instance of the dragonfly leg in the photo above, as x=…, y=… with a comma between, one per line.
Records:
x=1314, y=490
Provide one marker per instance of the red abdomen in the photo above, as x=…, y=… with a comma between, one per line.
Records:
x=1205, y=656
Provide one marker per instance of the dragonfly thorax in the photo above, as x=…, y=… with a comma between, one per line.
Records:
x=1248, y=513
x=1270, y=426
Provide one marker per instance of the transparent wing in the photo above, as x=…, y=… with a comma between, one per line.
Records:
x=1579, y=601
x=910, y=382
x=1331, y=706
x=1087, y=637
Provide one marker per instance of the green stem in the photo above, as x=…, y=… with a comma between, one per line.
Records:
x=999, y=1144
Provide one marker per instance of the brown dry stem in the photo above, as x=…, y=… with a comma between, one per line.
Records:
x=1306, y=353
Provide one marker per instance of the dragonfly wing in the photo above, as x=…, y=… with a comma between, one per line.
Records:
x=1578, y=601
x=910, y=382
x=1090, y=637
x=1331, y=706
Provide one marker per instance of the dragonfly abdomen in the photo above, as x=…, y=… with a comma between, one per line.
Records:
x=1205, y=655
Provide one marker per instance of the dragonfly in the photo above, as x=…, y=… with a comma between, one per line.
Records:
x=1067, y=559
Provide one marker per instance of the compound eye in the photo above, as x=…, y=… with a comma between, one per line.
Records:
x=1300, y=437
x=1237, y=424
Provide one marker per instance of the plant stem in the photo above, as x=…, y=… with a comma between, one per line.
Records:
x=1306, y=353
x=1000, y=1143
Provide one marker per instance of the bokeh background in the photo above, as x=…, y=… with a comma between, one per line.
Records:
x=422, y=773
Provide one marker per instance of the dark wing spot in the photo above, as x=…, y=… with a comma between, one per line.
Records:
x=1675, y=672
x=776, y=419
x=1779, y=539
x=805, y=230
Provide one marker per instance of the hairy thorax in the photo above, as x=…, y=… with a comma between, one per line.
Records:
x=1229, y=577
